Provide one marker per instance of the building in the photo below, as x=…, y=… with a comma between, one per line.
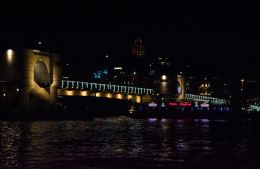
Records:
x=163, y=76
x=138, y=49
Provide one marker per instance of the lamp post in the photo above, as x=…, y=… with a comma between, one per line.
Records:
x=242, y=84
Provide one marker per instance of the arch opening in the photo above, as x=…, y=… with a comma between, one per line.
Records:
x=41, y=74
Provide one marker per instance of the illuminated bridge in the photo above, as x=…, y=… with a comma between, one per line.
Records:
x=199, y=98
x=77, y=88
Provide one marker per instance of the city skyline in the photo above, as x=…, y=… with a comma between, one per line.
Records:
x=125, y=84
x=89, y=32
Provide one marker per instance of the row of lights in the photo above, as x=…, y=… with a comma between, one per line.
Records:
x=205, y=85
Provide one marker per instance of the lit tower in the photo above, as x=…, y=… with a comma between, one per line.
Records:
x=138, y=48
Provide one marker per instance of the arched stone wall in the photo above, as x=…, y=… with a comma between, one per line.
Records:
x=34, y=91
x=41, y=74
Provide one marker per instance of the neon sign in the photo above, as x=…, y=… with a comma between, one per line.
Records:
x=152, y=104
x=204, y=105
x=185, y=104
x=173, y=104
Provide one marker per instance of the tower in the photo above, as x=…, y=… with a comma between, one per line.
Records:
x=138, y=50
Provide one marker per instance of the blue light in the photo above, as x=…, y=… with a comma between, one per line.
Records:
x=105, y=72
x=179, y=90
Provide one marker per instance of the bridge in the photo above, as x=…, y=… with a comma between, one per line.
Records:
x=207, y=99
x=79, y=88
x=41, y=83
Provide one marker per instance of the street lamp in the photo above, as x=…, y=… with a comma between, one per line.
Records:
x=242, y=84
x=164, y=77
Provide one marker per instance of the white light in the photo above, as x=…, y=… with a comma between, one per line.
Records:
x=36, y=51
x=152, y=104
x=204, y=105
x=134, y=73
x=164, y=77
x=107, y=56
x=4, y=94
x=118, y=68
x=39, y=42
x=9, y=55
x=17, y=89
x=163, y=105
x=9, y=52
x=67, y=64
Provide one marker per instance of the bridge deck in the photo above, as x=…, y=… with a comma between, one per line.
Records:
x=67, y=84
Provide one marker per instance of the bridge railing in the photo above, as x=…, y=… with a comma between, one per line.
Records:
x=206, y=99
x=105, y=87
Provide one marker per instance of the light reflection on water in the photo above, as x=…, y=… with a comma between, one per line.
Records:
x=129, y=143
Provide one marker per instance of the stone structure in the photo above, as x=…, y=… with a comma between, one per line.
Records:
x=34, y=75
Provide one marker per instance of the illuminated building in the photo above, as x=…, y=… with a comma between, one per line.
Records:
x=163, y=76
x=204, y=88
x=138, y=49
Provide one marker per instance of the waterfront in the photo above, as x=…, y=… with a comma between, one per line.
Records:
x=123, y=142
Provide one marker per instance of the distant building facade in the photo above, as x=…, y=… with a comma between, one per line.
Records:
x=138, y=49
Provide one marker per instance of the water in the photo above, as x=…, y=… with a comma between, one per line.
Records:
x=122, y=142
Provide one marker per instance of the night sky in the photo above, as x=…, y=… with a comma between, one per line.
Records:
x=219, y=36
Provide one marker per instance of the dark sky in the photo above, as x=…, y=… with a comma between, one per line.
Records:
x=213, y=35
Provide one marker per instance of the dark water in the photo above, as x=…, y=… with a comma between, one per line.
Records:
x=122, y=142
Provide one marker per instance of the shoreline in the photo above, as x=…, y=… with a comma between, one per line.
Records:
x=74, y=115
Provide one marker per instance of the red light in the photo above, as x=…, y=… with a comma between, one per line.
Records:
x=185, y=104
x=173, y=104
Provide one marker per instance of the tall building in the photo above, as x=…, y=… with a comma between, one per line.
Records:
x=138, y=49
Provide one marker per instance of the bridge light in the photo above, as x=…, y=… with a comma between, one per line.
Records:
x=129, y=97
x=138, y=99
x=108, y=95
x=69, y=92
x=119, y=96
x=83, y=93
x=36, y=51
